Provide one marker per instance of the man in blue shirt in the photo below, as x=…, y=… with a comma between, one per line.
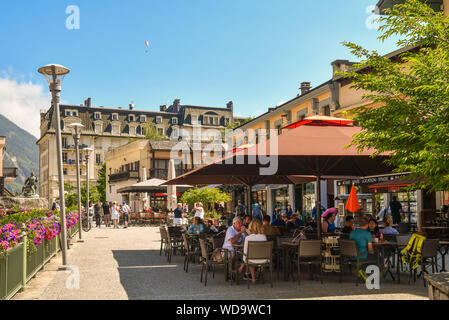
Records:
x=363, y=239
x=256, y=212
x=278, y=222
x=178, y=212
x=314, y=212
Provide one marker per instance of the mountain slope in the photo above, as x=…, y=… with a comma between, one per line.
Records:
x=21, y=152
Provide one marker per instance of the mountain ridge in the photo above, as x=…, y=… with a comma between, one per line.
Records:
x=21, y=151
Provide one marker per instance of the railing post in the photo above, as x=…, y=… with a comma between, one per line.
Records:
x=24, y=265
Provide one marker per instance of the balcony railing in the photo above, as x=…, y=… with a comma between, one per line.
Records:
x=10, y=172
x=123, y=176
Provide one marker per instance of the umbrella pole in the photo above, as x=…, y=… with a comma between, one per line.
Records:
x=250, y=189
x=318, y=206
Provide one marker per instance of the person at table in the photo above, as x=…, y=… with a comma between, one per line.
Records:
x=373, y=228
x=255, y=234
x=197, y=227
x=278, y=222
x=275, y=214
x=210, y=228
x=296, y=221
x=388, y=229
x=234, y=235
x=363, y=239
x=328, y=224
x=268, y=229
x=314, y=212
x=289, y=212
x=349, y=224
x=178, y=212
x=247, y=220
x=396, y=210
x=310, y=222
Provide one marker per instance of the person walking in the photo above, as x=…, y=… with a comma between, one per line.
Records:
x=107, y=213
x=114, y=215
x=97, y=211
x=178, y=212
x=125, y=211
x=257, y=214
x=396, y=210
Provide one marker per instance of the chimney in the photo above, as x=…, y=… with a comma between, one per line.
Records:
x=177, y=102
x=163, y=108
x=305, y=87
x=131, y=106
x=271, y=109
x=341, y=66
x=87, y=102
x=230, y=105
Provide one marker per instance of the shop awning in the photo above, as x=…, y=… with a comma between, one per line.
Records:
x=394, y=185
x=320, y=121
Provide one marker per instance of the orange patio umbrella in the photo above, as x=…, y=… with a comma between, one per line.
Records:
x=353, y=202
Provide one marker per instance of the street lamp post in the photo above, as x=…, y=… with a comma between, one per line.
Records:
x=87, y=154
x=76, y=137
x=54, y=74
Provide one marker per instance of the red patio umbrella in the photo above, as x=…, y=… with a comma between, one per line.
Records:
x=304, y=151
x=353, y=202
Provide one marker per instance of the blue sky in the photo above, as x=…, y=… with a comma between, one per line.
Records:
x=205, y=52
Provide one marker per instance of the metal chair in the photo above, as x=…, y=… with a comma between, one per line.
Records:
x=207, y=261
x=172, y=246
x=348, y=252
x=164, y=242
x=188, y=252
x=429, y=250
x=259, y=254
x=309, y=253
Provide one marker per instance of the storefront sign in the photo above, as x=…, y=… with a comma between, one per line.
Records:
x=370, y=181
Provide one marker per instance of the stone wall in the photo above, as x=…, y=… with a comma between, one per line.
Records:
x=26, y=203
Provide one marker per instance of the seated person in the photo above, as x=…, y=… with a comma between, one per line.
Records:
x=373, y=228
x=210, y=227
x=328, y=223
x=234, y=235
x=268, y=229
x=197, y=227
x=296, y=221
x=255, y=234
x=349, y=224
x=278, y=222
x=388, y=229
x=246, y=221
x=310, y=222
x=363, y=239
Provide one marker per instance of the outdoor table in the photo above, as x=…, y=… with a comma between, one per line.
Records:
x=443, y=249
x=385, y=266
x=289, y=247
x=438, y=284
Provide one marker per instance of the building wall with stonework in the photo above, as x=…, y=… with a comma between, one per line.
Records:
x=108, y=128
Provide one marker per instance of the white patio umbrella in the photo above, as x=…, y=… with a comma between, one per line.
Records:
x=171, y=190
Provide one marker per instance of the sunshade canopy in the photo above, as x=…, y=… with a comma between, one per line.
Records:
x=353, y=203
x=148, y=186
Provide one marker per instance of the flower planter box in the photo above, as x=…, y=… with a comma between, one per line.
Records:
x=438, y=284
x=11, y=268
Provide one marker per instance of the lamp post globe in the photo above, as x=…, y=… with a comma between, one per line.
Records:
x=76, y=131
x=54, y=74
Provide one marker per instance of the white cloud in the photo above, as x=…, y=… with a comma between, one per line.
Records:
x=21, y=101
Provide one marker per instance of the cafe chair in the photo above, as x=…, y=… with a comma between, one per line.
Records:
x=189, y=252
x=309, y=253
x=164, y=241
x=279, y=252
x=208, y=261
x=429, y=254
x=349, y=255
x=172, y=245
x=259, y=255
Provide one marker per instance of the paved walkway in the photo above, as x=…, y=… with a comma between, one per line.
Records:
x=125, y=264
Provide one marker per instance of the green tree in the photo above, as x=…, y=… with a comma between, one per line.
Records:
x=101, y=184
x=412, y=122
x=207, y=196
x=71, y=195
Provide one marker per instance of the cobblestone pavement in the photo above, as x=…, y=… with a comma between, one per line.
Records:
x=125, y=264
